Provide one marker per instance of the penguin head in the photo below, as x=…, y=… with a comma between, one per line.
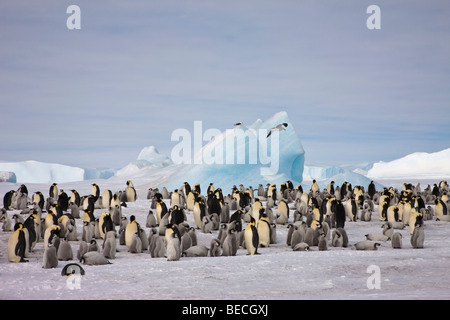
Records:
x=18, y=226
x=132, y=218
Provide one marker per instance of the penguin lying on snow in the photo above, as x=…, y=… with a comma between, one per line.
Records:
x=366, y=245
x=94, y=258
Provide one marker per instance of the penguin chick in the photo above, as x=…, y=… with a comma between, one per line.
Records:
x=366, y=245
x=196, y=251
x=50, y=259
x=94, y=258
x=396, y=240
x=173, y=248
x=215, y=250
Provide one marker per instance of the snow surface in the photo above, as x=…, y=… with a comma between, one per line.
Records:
x=277, y=273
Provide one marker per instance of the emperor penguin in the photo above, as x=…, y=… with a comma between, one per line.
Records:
x=17, y=244
x=283, y=208
x=32, y=234
x=94, y=258
x=251, y=237
x=7, y=200
x=131, y=192
x=105, y=224
x=106, y=199
x=315, y=188
x=116, y=214
x=175, y=198
x=440, y=209
x=337, y=240
x=95, y=192
x=87, y=234
x=340, y=214
x=6, y=222
x=382, y=210
x=131, y=229
x=50, y=234
x=75, y=197
x=396, y=240
x=65, y=252
x=207, y=224
x=256, y=207
x=415, y=219
x=110, y=245
x=54, y=191
x=351, y=209
x=323, y=242
x=229, y=246
x=367, y=245
x=199, y=212
x=215, y=249
x=393, y=214
x=264, y=229
x=151, y=220
x=136, y=244
x=161, y=210
x=417, y=237
x=50, y=259
x=196, y=251
x=38, y=199
x=173, y=247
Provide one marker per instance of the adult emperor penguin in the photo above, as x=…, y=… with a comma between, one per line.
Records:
x=106, y=199
x=17, y=244
x=131, y=229
x=283, y=210
x=199, y=212
x=440, y=209
x=131, y=192
x=105, y=224
x=314, y=188
x=251, y=237
x=95, y=191
x=264, y=229
x=31, y=225
x=256, y=209
x=38, y=199
x=340, y=214
x=54, y=191
x=7, y=200
x=75, y=197
x=161, y=210
x=351, y=209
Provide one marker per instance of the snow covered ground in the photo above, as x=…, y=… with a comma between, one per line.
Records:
x=277, y=273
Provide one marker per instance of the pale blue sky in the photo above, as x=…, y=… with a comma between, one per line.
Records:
x=136, y=71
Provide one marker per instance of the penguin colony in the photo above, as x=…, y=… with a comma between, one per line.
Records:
x=245, y=219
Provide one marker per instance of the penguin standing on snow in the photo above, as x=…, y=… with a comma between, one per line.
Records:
x=264, y=229
x=340, y=214
x=251, y=237
x=131, y=229
x=131, y=192
x=54, y=192
x=17, y=244
x=95, y=191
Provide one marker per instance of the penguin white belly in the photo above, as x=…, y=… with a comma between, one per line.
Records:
x=264, y=233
